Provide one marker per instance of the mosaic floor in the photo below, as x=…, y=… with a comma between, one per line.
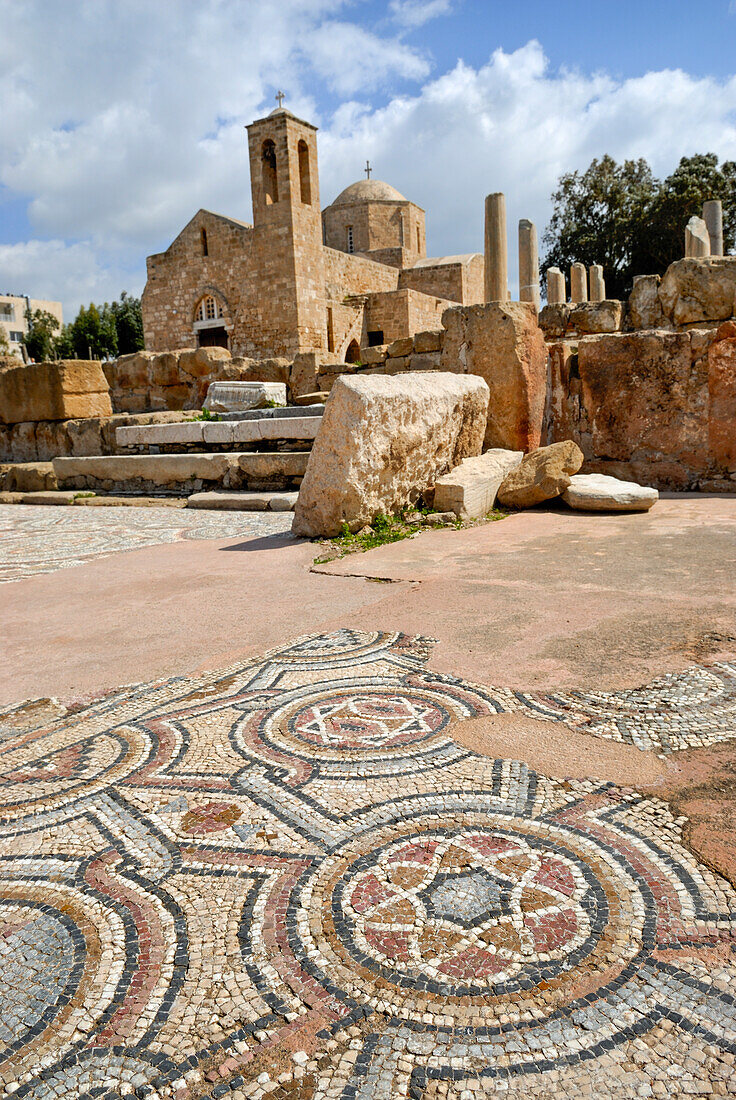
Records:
x=41, y=539
x=287, y=879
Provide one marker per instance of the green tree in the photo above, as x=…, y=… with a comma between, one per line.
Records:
x=621, y=216
x=5, y=348
x=40, y=337
x=93, y=333
x=694, y=181
x=596, y=218
x=128, y=324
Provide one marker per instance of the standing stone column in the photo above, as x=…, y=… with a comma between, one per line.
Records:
x=697, y=241
x=496, y=259
x=578, y=283
x=528, y=263
x=555, y=286
x=713, y=218
x=597, y=283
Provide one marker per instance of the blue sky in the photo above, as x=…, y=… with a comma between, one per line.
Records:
x=122, y=117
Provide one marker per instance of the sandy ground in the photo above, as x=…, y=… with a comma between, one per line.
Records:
x=543, y=599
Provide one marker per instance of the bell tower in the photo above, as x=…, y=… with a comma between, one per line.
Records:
x=287, y=228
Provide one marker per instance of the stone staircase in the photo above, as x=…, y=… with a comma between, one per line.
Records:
x=252, y=460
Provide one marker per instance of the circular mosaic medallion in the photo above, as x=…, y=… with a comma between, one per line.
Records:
x=340, y=729
x=373, y=720
x=431, y=916
x=54, y=766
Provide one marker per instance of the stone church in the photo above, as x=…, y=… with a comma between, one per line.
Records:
x=302, y=279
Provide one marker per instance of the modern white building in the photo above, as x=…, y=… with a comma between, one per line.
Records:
x=13, y=317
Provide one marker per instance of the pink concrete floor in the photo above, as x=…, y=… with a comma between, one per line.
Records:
x=541, y=599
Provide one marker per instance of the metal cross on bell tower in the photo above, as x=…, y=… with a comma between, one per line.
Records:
x=368, y=169
x=280, y=96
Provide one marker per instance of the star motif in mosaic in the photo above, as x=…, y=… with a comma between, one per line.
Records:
x=286, y=878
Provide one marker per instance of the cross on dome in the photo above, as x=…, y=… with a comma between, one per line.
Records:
x=368, y=169
x=280, y=96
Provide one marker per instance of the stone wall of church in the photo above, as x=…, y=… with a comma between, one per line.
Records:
x=401, y=313
x=459, y=282
x=179, y=277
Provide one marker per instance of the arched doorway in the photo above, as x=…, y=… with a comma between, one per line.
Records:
x=210, y=326
x=352, y=354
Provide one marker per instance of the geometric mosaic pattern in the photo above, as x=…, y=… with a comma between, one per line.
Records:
x=287, y=879
x=41, y=539
x=680, y=710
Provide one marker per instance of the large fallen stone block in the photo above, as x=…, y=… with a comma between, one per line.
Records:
x=63, y=390
x=600, y=493
x=644, y=309
x=202, y=361
x=235, y=396
x=699, y=289
x=382, y=442
x=644, y=394
x=593, y=317
x=470, y=490
x=502, y=342
x=542, y=475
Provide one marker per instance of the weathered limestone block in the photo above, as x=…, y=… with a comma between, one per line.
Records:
x=722, y=393
x=429, y=360
x=592, y=317
x=644, y=395
x=371, y=357
x=235, y=396
x=130, y=372
x=52, y=439
x=542, y=475
x=384, y=441
x=695, y=290
x=54, y=391
x=600, y=493
x=501, y=342
x=202, y=361
x=470, y=490
x=397, y=365
x=163, y=369
x=554, y=319
x=28, y=477
x=427, y=341
x=644, y=309
x=401, y=347
x=302, y=373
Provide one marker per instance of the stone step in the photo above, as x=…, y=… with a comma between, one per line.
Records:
x=243, y=501
x=183, y=473
x=219, y=432
x=311, y=409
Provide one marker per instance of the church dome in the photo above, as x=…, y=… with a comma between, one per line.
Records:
x=369, y=191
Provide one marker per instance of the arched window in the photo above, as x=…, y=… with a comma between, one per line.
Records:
x=208, y=309
x=350, y=242
x=203, y=238
x=268, y=172
x=305, y=182
x=352, y=355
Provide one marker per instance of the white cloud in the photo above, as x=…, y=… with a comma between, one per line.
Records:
x=415, y=13
x=515, y=125
x=121, y=118
x=57, y=271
